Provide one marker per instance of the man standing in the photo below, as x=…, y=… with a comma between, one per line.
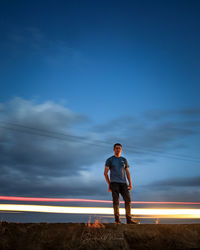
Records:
x=119, y=167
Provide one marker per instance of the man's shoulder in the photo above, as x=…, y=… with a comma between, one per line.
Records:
x=110, y=158
x=124, y=158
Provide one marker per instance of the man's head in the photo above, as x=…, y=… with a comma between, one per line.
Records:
x=117, y=148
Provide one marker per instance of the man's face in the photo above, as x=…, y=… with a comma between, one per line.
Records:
x=117, y=150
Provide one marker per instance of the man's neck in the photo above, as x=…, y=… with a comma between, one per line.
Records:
x=117, y=155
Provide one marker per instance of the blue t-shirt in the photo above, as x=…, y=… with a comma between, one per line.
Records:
x=117, y=166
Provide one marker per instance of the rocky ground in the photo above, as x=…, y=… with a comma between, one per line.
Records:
x=60, y=236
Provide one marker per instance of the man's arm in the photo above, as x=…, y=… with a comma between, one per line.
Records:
x=129, y=178
x=106, y=174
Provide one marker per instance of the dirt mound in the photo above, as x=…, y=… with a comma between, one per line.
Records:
x=60, y=236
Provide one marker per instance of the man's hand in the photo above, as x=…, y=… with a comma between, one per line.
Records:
x=109, y=189
x=130, y=186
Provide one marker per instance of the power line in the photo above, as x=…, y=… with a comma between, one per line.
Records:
x=62, y=136
x=52, y=135
x=160, y=151
x=47, y=135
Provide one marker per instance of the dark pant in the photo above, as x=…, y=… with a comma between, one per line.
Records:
x=121, y=188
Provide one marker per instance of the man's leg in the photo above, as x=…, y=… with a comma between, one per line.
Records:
x=127, y=199
x=115, y=195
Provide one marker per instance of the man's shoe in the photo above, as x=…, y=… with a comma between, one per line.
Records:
x=132, y=222
x=118, y=222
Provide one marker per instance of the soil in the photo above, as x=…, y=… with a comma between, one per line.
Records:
x=60, y=236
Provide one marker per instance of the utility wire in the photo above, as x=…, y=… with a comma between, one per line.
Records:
x=105, y=142
x=48, y=135
x=62, y=136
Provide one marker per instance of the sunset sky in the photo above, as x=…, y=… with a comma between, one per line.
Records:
x=78, y=76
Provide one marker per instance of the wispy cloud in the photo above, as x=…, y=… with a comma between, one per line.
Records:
x=52, y=52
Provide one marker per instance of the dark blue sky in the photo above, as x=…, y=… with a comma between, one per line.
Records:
x=123, y=71
x=144, y=54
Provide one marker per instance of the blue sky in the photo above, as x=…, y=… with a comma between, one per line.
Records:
x=104, y=70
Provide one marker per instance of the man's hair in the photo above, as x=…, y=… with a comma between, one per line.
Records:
x=117, y=144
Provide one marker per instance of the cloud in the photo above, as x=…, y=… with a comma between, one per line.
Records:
x=41, y=154
x=163, y=114
x=152, y=131
x=38, y=146
x=168, y=195
x=171, y=189
x=16, y=182
x=177, y=182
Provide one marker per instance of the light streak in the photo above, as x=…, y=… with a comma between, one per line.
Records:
x=18, y=198
x=157, y=212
